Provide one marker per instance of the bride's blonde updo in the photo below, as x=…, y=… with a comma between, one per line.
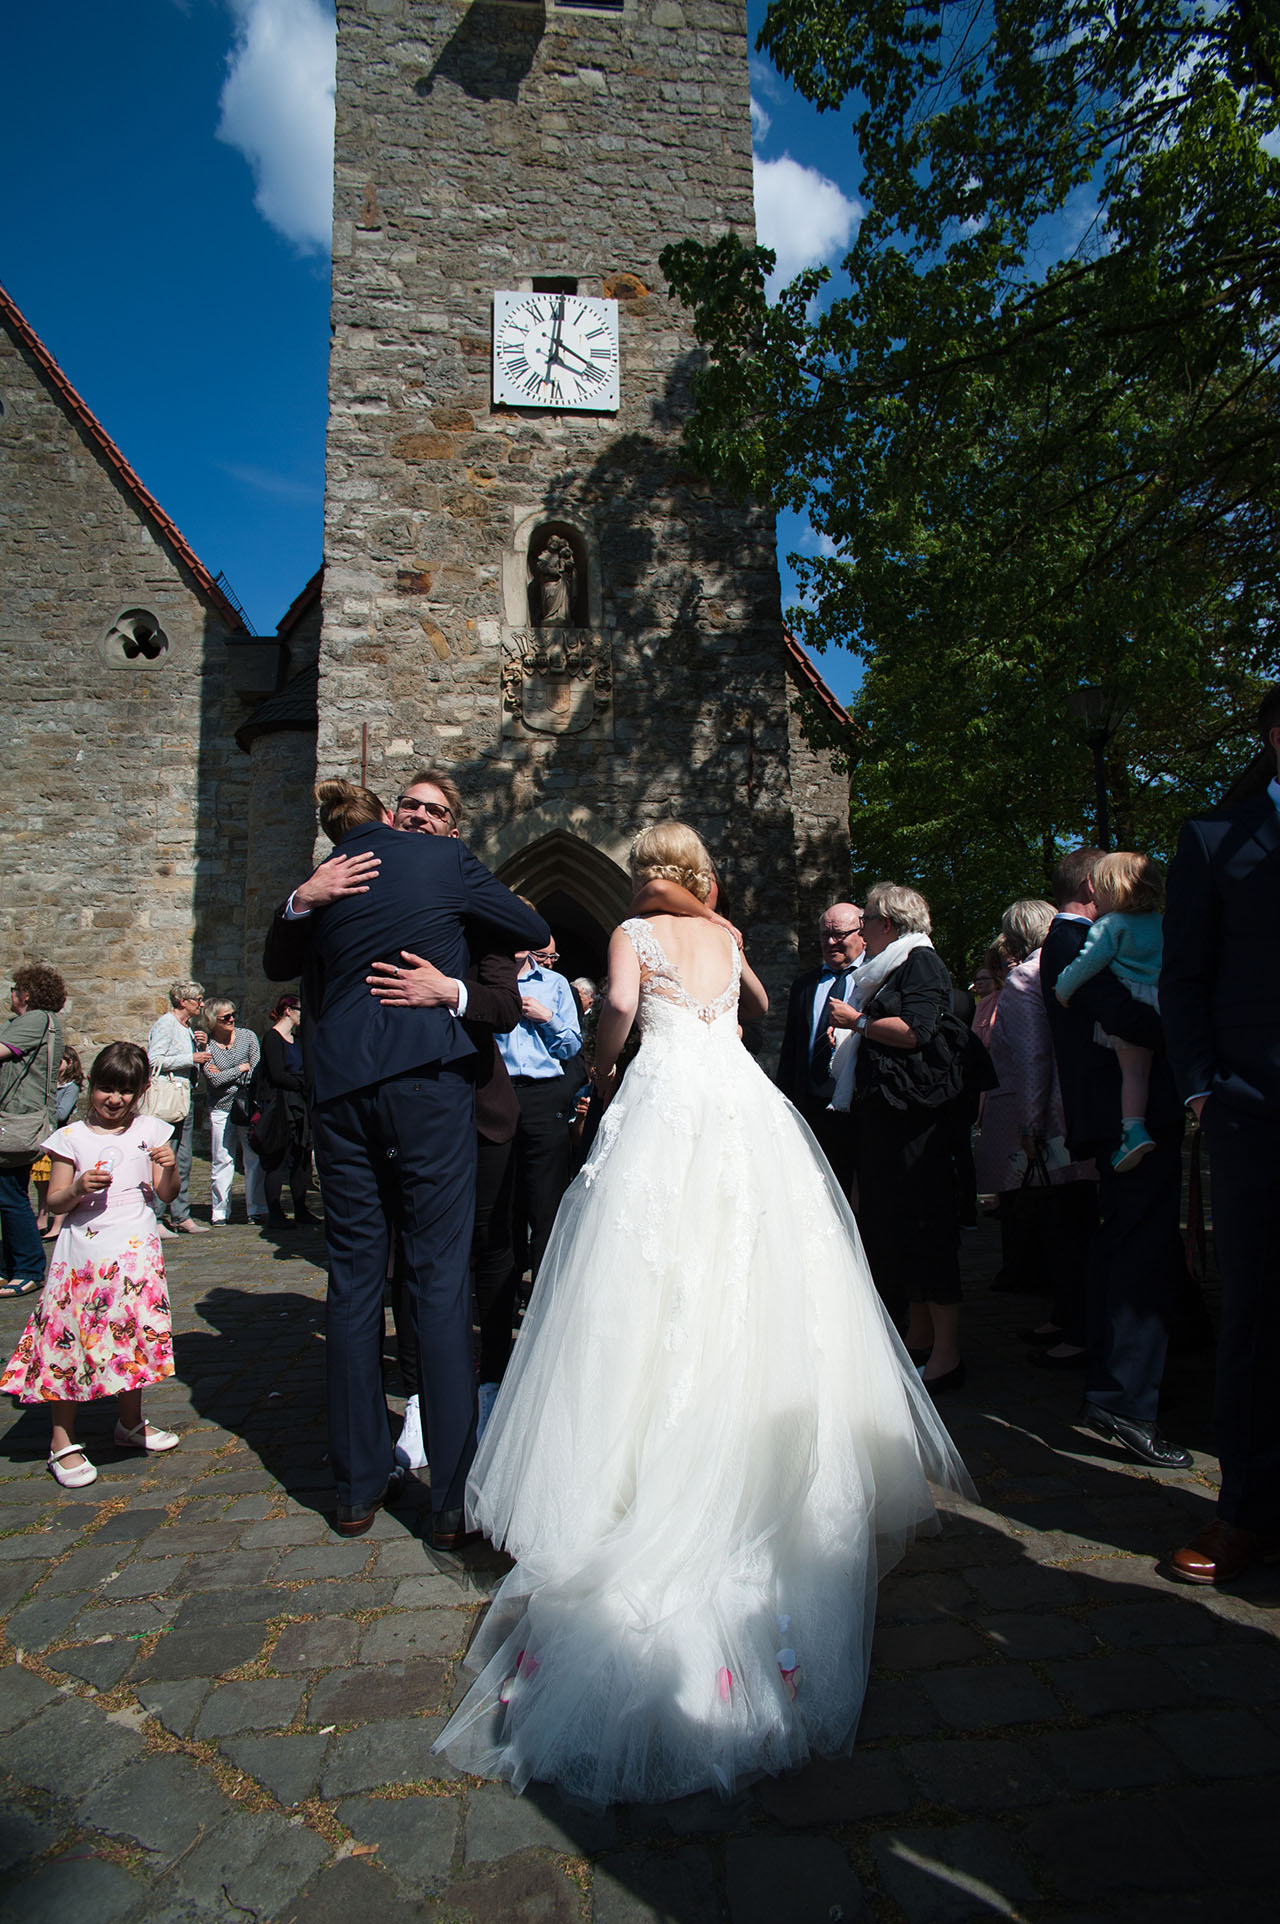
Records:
x=671, y=852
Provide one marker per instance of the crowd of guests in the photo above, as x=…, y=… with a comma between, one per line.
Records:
x=1096, y=1019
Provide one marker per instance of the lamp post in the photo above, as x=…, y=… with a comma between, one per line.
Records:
x=1091, y=707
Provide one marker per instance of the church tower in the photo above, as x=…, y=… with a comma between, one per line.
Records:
x=522, y=581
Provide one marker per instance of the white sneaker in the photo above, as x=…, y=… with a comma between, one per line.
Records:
x=409, y=1450
x=72, y=1476
x=486, y=1397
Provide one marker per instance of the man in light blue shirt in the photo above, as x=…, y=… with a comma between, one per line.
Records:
x=535, y=1052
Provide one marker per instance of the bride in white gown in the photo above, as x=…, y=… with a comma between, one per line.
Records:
x=710, y=1443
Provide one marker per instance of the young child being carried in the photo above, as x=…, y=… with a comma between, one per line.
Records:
x=1127, y=939
x=101, y=1327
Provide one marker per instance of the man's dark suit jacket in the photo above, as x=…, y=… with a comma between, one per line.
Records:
x=795, y=1055
x=493, y=1008
x=427, y=889
x=1088, y=1073
x=1220, y=985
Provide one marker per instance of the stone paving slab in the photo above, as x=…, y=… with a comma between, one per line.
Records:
x=221, y=1710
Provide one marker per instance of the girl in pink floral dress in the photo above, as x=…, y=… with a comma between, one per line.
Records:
x=102, y=1324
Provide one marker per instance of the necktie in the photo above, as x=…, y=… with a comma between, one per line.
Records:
x=820, y=1060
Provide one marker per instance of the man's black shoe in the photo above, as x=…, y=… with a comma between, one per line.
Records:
x=449, y=1530
x=353, y=1522
x=1141, y=1439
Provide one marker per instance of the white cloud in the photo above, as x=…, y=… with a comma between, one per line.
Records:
x=802, y=215
x=764, y=77
x=761, y=120
x=267, y=481
x=277, y=109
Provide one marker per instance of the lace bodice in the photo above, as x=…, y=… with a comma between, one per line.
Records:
x=662, y=989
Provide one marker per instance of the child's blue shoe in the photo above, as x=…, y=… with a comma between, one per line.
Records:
x=1135, y=1143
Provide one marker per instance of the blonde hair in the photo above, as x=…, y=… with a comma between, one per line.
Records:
x=1128, y=884
x=344, y=806
x=906, y=909
x=671, y=852
x=1026, y=923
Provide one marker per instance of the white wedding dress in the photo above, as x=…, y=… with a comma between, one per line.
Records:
x=707, y=1448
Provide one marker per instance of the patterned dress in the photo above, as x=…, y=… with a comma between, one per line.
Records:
x=102, y=1323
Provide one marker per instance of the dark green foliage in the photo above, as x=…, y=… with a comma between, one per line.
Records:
x=1041, y=430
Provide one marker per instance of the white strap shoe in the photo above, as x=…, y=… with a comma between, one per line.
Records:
x=145, y=1437
x=72, y=1476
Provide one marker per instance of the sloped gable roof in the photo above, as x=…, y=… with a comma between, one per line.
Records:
x=93, y=430
x=802, y=670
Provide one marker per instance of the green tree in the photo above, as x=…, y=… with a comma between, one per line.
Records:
x=1041, y=430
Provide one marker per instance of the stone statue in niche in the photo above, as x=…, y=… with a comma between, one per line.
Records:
x=555, y=575
x=557, y=675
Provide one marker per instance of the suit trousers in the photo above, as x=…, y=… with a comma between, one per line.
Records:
x=1244, y=1156
x=542, y=1151
x=403, y=1150
x=1133, y=1270
x=495, y=1288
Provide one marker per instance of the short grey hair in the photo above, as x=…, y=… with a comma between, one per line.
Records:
x=179, y=991
x=905, y=908
x=585, y=986
x=220, y=1006
x=1025, y=924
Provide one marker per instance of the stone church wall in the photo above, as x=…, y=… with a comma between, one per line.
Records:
x=479, y=147
x=122, y=796
x=820, y=798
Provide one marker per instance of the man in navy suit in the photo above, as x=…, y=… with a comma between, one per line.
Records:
x=1135, y=1256
x=804, y=1061
x=393, y=1130
x=1220, y=997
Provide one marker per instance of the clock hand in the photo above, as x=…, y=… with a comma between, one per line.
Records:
x=561, y=349
x=557, y=326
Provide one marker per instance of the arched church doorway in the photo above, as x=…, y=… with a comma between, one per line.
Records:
x=579, y=890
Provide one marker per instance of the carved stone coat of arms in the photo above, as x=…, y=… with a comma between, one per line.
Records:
x=555, y=681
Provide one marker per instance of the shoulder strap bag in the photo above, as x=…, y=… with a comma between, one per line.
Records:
x=22, y=1132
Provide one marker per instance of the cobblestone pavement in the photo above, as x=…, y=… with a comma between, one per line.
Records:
x=214, y=1709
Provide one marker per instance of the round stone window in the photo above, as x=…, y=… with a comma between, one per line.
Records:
x=135, y=636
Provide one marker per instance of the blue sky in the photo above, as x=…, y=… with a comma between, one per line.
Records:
x=164, y=228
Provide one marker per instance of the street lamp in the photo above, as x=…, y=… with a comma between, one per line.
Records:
x=1092, y=708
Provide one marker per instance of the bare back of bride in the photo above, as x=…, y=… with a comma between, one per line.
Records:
x=710, y=1443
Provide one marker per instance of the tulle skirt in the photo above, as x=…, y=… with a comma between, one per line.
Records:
x=708, y=1447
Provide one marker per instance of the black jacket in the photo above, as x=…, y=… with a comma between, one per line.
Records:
x=929, y=1075
x=1220, y=985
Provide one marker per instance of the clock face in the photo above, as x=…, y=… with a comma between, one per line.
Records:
x=555, y=351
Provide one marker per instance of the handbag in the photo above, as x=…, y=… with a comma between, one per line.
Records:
x=168, y=1097
x=22, y=1131
x=246, y=1104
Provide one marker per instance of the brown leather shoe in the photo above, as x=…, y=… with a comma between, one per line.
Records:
x=1222, y=1553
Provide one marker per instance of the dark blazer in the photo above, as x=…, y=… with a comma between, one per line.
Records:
x=794, y=1057
x=1088, y=1073
x=919, y=991
x=429, y=891
x=1220, y=984
x=493, y=1008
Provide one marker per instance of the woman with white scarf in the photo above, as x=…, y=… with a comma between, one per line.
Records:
x=892, y=1065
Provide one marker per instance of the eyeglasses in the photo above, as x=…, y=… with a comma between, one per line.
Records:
x=841, y=935
x=546, y=955
x=409, y=804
